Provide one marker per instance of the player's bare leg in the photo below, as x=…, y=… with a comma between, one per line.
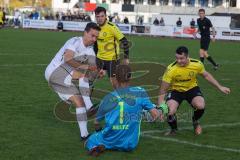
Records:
x=172, y=119
x=204, y=54
x=83, y=83
x=81, y=114
x=84, y=89
x=199, y=104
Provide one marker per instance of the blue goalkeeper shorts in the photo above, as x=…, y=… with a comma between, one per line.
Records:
x=97, y=139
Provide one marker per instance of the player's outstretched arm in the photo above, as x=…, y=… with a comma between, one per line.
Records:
x=68, y=58
x=195, y=33
x=215, y=83
x=214, y=34
x=161, y=99
x=125, y=46
x=155, y=114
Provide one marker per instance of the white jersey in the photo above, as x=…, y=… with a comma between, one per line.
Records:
x=76, y=45
x=17, y=14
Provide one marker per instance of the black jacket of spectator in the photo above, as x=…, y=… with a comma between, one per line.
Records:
x=126, y=20
x=192, y=23
x=179, y=23
x=156, y=22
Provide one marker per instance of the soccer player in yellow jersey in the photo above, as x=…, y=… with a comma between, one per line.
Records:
x=180, y=83
x=108, y=45
x=1, y=17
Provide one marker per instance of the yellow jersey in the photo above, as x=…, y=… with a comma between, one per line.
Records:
x=183, y=78
x=108, y=42
x=1, y=16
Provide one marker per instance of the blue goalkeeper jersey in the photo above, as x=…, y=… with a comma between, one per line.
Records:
x=122, y=110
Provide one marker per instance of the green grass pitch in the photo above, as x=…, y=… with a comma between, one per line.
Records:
x=29, y=128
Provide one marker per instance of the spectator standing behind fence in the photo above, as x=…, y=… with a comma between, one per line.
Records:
x=126, y=21
x=35, y=15
x=1, y=17
x=30, y=16
x=156, y=22
x=140, y=20
x=69, y=15
x=57, y=16
x=161, y=22
x=17, y=14
x=116, y=19
x=192, y=23
x=60, y=26
x=4, y=15
x=110, y=18
x=179, y=22
x=88, y=18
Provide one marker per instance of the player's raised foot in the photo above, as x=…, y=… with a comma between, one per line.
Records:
x=85, y=138
x=93, y=110
x=216, y=67
x=197, y=128
x=96, y=151
x=172, y=132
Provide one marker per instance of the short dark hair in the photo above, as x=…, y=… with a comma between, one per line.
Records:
x=92, y=25
x=201, y=10
x=123, y=73
x=182, y=50
x=99, y=10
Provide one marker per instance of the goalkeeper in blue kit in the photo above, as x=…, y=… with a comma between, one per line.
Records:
x=122, y=111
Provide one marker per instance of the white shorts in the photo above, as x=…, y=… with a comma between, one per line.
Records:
x=61, y=82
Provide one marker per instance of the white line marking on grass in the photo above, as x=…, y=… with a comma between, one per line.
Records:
x=190, y=127
x=163, y=64
x=6, y=54
x=193, y=144
x=161, y=61
x=148, y=134
x=21, y=65
x=226, y=79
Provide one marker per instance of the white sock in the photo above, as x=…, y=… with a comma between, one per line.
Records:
x=82, y=121
x=85, y=92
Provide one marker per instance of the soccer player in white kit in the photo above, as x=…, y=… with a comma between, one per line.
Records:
x=75, y=61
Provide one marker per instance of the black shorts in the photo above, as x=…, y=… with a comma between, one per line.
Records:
x=204, y=43
x=109, y=66
x=188, y=95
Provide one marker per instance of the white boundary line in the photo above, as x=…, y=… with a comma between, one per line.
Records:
x=190, y=127
x=148, y=134
x=22, y=65
x=6, y=54
x=193, y=144
x=41, y=64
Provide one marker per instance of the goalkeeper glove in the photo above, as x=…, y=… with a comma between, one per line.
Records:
x=164, y=108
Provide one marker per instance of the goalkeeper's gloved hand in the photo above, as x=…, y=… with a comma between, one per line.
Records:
x=164, y=108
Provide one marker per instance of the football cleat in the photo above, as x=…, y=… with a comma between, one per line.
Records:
x=85, y=138
x=197, y=128
x=96, y=151
x=93, y=110
x=216, y=67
